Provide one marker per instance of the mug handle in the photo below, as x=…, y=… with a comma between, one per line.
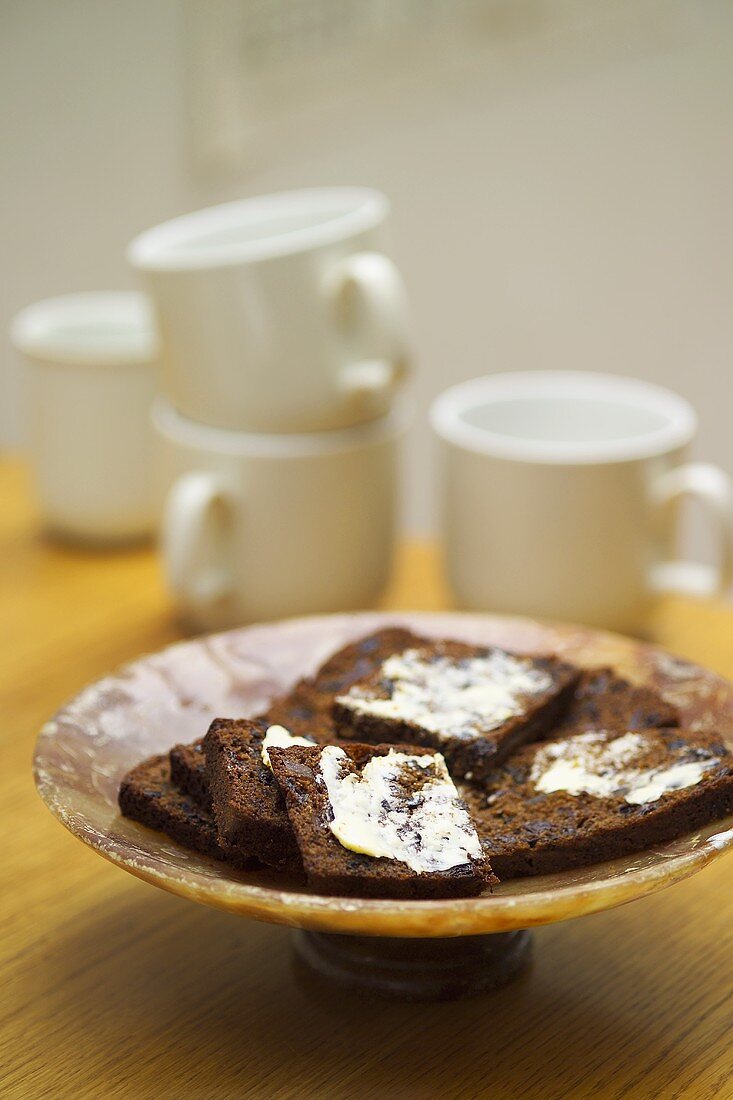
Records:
x=367, y=294
x=188, y=538
x=714, y=489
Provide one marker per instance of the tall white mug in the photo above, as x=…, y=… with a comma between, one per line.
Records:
x=267, y=526
x=279, y=314
x=90, y=380
x=560, y=492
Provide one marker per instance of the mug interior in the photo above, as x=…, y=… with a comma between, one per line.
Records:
x=246, y=229
x=259, y=228
x=96, y=329
x=564, y=417
x=558, y=419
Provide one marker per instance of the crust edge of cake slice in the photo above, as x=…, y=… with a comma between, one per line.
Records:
x=188, y=771
x=248, y=808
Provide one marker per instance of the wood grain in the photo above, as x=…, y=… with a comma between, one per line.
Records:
x=112, y=988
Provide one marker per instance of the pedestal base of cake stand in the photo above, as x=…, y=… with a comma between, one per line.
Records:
x=414, y=969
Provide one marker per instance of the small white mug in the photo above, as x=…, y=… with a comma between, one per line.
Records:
x=281, y=313
x=90, y=381
x=267, y=526
x=560, y=493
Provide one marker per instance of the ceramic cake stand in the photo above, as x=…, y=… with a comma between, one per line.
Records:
x=410, y=949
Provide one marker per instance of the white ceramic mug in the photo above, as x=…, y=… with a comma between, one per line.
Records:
x=560, y=493
x=266, y=526
x=90, y=383
x=281, y=313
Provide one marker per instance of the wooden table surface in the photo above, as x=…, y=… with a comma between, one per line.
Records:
x=112, y=988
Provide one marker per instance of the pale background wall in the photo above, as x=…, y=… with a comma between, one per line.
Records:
x=564, y=201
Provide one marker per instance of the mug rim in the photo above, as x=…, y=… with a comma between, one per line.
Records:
x=448, y=411
x=44, y=330
x=170, y=246
x=182, y=432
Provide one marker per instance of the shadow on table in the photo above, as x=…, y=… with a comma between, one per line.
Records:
x=162, y=997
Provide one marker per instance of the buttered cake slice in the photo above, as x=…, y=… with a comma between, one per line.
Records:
x=475, y=705
x=380, y=821
x=599, y=794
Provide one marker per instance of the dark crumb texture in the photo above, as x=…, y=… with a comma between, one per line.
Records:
x=333, y=869
x=474, y=750
x=528, y=832
x=358, y=659
x=148, y=796
x=248, y=807
x=304, y=711
x=604, y=700
x=188, y=772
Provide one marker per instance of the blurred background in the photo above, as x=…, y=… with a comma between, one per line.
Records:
x=560, y=170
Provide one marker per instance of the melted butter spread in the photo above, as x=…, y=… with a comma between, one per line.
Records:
x=453, y=698
x=591, y=764
x=281, y=739
x=400, y=807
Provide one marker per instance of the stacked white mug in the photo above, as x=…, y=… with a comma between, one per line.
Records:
x=282, y=324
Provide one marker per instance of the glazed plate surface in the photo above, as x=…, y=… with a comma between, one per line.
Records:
x=171, y=696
